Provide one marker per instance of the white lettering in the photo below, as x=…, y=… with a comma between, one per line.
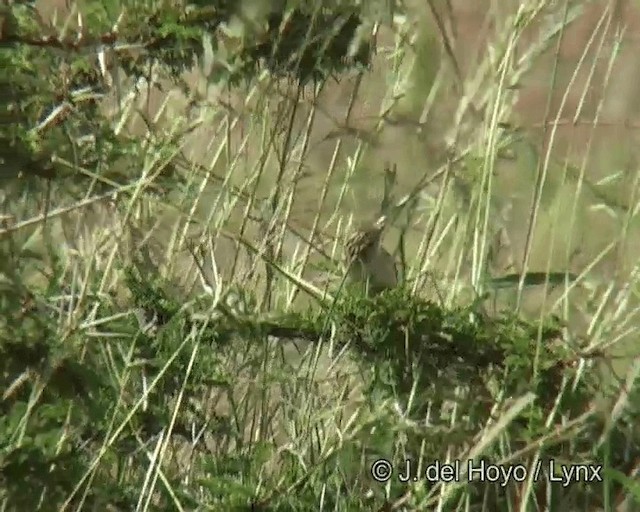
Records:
x=484, y=472
x=442, y=472
x=566, y=474
x=476, y=472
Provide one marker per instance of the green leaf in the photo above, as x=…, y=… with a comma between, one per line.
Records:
x=531, y=279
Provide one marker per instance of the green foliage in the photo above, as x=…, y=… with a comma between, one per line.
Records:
x=311, y=45
x=51, y=125
x=57, y=383
x=414, y=339
x=412, y=344
x=61, y=401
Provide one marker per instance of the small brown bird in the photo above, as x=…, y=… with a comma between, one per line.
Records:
x=368, y=263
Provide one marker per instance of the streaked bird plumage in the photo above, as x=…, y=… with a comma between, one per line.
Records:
x=368, y=263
